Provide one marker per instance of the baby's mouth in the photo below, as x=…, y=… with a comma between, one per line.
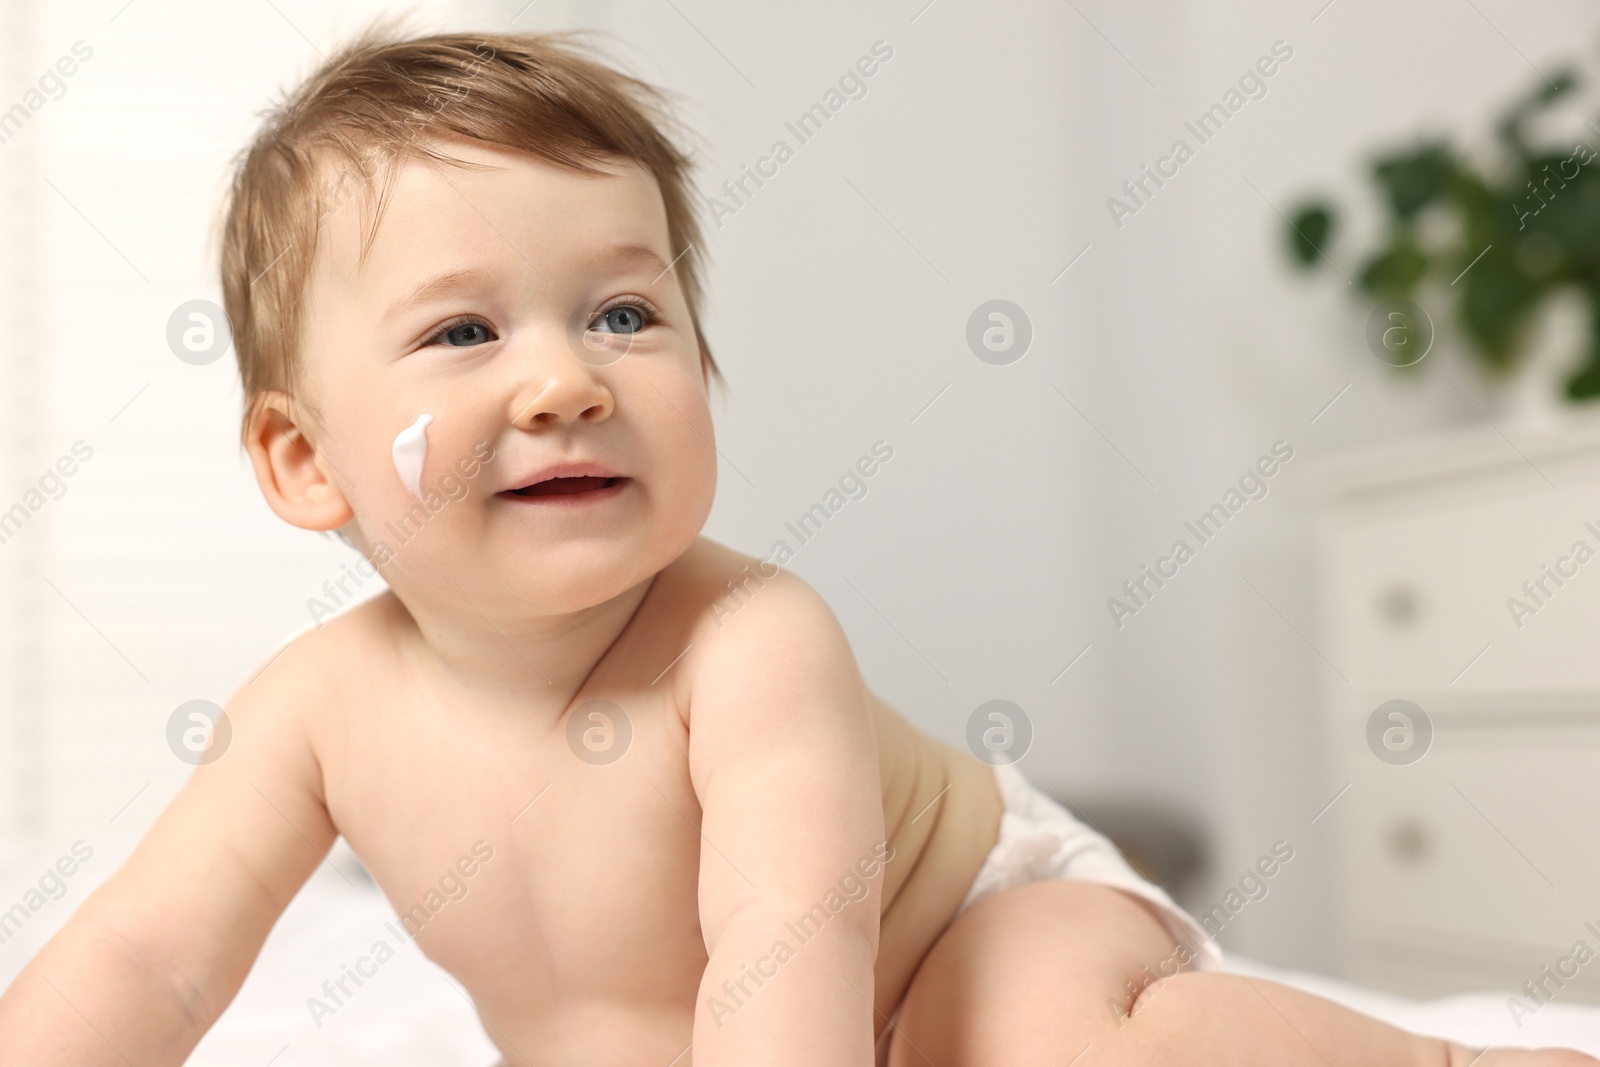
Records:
x=566, y=486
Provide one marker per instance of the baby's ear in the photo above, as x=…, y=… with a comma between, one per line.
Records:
x=293, y=478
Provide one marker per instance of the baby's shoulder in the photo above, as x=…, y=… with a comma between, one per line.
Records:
x=314, y=670
x=733, y=606
x=712, y=586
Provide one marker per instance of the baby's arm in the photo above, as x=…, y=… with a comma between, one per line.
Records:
x=150, y=960
x=784, y=760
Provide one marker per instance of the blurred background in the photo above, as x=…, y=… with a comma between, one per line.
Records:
x=1166, y=339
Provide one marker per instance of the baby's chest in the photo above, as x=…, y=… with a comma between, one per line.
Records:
x=532, y=860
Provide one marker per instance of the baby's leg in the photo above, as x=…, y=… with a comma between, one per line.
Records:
x=1038, y=975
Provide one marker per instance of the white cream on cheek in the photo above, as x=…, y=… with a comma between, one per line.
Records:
x=411, y=452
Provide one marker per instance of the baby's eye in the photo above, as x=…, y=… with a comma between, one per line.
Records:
x=625, y=318
x=464, y=334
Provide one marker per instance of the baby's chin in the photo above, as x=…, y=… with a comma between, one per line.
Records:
x=510, y=576
x=574, y=578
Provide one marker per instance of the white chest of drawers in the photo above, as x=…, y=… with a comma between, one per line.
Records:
x=1463, y=574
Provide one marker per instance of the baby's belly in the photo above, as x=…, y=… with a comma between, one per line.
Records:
x=614, y=980
x=589, y=1033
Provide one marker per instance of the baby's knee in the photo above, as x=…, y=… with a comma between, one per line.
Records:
x=1118, y=946
x=1184, y=995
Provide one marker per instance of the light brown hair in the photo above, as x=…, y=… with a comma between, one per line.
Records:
x=372, y=105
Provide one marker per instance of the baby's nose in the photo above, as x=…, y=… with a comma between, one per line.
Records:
x=567, y=390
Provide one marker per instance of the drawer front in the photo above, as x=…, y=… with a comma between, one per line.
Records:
x=1478, y=865
x=1422, y=601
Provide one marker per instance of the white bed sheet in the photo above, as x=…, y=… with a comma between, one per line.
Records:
x=412, y=1014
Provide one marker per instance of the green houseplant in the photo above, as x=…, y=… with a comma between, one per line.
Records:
x=1521, y=231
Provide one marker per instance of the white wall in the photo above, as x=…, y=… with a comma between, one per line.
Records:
x=978, y=566
x=1200, y=349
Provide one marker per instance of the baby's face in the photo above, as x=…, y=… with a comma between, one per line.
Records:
x=559, y=345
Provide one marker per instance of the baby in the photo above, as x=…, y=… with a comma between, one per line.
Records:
x=671, y=822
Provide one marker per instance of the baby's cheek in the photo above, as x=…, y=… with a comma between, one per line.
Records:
x=679, y=443
x=462, y=466
x=692, y=484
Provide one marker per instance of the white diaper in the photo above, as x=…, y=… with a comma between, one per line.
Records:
x=1039, y=840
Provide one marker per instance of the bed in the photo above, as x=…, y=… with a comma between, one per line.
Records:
x=409, y=1013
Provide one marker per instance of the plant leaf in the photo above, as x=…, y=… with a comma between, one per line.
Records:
x=1396, y=270
x=1310, y=232
x=1414, y=178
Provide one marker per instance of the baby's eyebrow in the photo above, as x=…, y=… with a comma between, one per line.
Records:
x=456, y=278
x=446, y=281
x=630, y=252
